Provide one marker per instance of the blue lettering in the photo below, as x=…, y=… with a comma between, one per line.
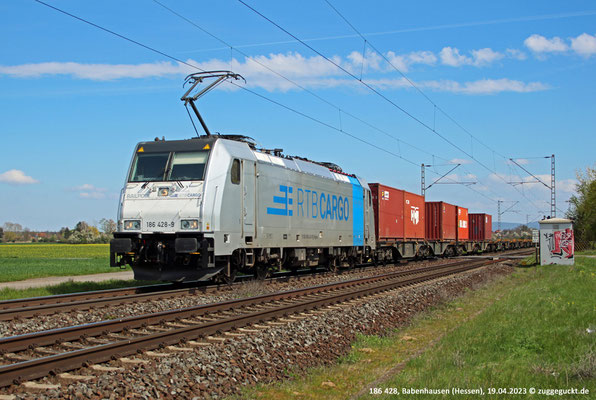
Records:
x=307, y=201
x=347, y=209
x=334, y=202
x=340, y=208
x=315, y=199
x=300, y=199
x=329, y=207
x=321, y=207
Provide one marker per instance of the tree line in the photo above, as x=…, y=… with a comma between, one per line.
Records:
x=82, y=233
x=582, y=209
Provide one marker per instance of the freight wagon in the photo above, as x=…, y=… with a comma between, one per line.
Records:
x=399, y=223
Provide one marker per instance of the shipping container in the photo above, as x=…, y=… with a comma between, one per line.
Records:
x=462, y=224
x=389, y=212
x=399, y=215
x=441, y=221
x=414, y=218
x=481, y=227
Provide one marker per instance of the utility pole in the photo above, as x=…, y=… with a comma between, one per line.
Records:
x=553, y=199
x=499, y=212
x=423, y=180
x=499, y=215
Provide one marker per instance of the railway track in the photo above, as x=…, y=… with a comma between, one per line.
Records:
x=39, y=354
x=47, y=305
x=36, y=306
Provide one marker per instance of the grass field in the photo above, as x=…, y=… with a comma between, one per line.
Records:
x=25, y=261
x=534, y=329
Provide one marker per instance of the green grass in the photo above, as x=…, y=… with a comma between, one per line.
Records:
x=26, y=261
x=70, y=287
x=525, y=330
x=586, y=253
x=536, y=336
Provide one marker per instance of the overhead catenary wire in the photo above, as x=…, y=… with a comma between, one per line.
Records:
x=301, y=87
x=162, y=53
x=435, y=106
x=371, y=88
x=340, y=110
x=232, y=83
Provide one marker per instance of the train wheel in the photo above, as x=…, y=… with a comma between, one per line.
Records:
x=261, y=272
x=332, y=265
x=351, y=263
x=225, y=278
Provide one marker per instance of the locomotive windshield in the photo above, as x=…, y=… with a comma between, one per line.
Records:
x=174, y=166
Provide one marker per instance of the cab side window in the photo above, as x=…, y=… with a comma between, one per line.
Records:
x=235, y=173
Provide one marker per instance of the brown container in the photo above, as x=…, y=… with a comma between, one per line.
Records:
x=481, y=227
x=414, y=216
x=389, y=212
x=462, y=224
x=441, y=221
x=399, y=215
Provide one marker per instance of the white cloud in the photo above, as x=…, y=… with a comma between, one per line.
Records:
x=567, y=185
x=540, y=44
x=17, y=177
x=516, y=54
x=463, y=179
x=486, y=86
x=309, y=72
x=399, y=61
x=100, y=72
x=460, y=161
x=562, y=185
x=92, y=195
x=479, y=58
x=450, y=56
x=404, y=61
x=89, y=191
x=522, y=161
x=584, y=44
x=422, y=57
x=88, y=187
x=486, y=56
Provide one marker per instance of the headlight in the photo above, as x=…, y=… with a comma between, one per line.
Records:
x=164, y=191
x=132, y=225
x=189, y=224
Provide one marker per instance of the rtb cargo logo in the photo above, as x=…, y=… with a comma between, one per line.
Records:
x=285, y=200
x=310, y=203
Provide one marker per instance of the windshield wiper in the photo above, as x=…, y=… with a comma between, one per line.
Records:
x=144, y=185
x=180, y=184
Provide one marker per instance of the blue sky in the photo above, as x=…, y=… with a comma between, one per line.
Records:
x=517, y=76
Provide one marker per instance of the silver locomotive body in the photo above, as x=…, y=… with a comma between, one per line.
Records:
x=193, y=209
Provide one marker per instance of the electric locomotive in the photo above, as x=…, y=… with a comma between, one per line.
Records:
x=215, y=205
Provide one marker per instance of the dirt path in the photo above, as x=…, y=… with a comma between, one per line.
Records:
x=55, y=280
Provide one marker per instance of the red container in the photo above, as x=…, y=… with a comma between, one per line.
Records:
x=481, y=227
x=414, y=216
x=389, y=212
x=462, y=224
x=441, y=221
x=399, y=215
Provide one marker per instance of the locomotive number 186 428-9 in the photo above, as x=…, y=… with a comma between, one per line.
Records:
x=160, y=224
